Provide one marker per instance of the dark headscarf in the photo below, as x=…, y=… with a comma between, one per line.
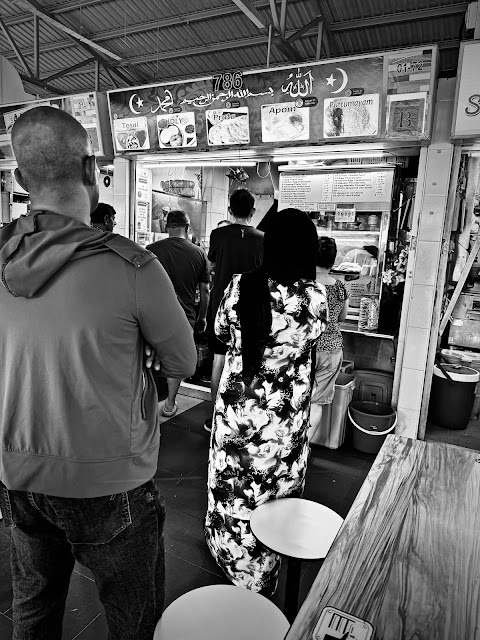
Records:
x=290, y=247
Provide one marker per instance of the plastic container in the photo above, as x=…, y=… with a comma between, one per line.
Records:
x=331, y=430
x=372, y=422
x=375, y=386
x=451, y=403
x=347, y=366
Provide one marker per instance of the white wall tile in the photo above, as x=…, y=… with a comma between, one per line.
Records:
x=411, y=389
x=426, y=264
x=407, y=423
x=120, y=204
x=438, y=171
x=432, y=217
x=121, y=175
x=421, y=306
x=416, y=347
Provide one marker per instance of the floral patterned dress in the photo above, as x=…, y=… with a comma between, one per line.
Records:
x=259, y=447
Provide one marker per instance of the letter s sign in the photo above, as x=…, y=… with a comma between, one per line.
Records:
x=474, y=108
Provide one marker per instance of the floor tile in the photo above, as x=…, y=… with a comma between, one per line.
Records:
x=181, y=450
x=193, y=548
x=6, y=629
x=177, y=524
x=184, y=403
x=329, y=488
x=189, y=496
x=194, y=419
x=82, y=606
x=182, y=576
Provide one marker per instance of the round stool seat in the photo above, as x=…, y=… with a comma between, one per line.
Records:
x=296, y=527
x=221, y=611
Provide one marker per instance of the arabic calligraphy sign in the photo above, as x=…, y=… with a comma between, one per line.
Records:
x=343, y=99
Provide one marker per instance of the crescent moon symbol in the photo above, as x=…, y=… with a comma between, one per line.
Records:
x=130, y=104
x=344, y=83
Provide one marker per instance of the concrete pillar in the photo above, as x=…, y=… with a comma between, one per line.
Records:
x=121, y=195
x=422, y=273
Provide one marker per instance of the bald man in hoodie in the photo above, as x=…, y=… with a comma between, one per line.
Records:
x=79, y=432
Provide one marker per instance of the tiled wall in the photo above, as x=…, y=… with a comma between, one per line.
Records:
x=215, y=193
x=423, y=287
x=121, y=195
x=106, y=193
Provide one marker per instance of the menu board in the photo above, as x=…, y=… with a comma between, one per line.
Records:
x=89, y=109
x=83, y=108
x=361, y=190
x=143, y=205
x=341, y=99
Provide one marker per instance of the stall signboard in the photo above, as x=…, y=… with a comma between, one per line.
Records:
x=466, y=119
x=332, y=100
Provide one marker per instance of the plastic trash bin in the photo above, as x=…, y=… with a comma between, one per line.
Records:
x=331, y=430
x=451, y=403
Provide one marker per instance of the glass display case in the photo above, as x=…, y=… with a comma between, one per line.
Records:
x=360, y=253
x=351, y=204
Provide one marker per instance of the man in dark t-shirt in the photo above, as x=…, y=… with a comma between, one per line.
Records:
x=234, y=248
x=188, y=268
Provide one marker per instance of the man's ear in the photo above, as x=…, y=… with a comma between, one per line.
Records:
x=20, y=180
x=90, y=171
x=230, y=212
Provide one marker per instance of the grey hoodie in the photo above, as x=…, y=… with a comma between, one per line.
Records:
x=78, y=410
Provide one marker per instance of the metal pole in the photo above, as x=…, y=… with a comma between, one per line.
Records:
x=319, y=40
x=97, y=75
x=283, y=16
x=36, y=47
x=269, y=44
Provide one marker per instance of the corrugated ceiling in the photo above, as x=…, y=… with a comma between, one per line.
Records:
x=161, y=40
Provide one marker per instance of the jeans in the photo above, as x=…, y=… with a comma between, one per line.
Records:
x=119, y=538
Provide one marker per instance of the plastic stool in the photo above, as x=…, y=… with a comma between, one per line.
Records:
x=222, y=611
x=299, y=530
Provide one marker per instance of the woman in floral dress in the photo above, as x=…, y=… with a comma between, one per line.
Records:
x=271, y=319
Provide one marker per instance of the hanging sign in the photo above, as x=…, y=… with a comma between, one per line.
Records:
x=466, y=119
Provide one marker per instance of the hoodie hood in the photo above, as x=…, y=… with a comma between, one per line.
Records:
x=34, y=247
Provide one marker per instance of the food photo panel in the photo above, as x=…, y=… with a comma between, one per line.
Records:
x=284, y=122
x=177, y=130
x=131, y=134
x=228, y=126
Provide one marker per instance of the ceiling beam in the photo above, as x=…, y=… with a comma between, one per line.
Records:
x=37, y=10
x=263, y=24
x=84, y=43
x=66, y=71
x=41, y=85
x=306, y=29
x=13, y=44
x=401, y=16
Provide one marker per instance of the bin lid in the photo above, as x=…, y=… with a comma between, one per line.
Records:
x=458, y=373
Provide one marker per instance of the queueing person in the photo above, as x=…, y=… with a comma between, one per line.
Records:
x=79, y=430
x=329, y=352
x=234, y=248
x=270, y=319
x=187, y=266
x=103, y=218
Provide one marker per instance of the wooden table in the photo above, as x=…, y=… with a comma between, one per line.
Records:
x=407, y=557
